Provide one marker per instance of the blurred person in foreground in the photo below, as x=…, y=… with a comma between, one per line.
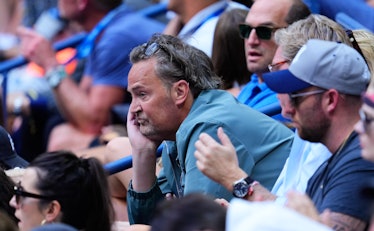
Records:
x=195, y=211
x=364, y=128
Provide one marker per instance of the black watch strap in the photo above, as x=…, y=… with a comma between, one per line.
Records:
x=249, y=180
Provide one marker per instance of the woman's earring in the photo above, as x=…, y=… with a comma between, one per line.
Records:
x=43, y=222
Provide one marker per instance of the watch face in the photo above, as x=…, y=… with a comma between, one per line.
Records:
x=55, y=76
x=241, y=189
x=55, y=80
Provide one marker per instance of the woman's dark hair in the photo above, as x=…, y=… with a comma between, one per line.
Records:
x=6, y=193
x=79, y=185
x=228, y=55
x=6, y=223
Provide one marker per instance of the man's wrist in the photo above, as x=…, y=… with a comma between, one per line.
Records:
x=243, y=187
x=229, y=180
x=55, y=76
x=17, y=106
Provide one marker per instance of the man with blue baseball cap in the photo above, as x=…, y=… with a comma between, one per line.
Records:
x=323, y=64
x=324, y=82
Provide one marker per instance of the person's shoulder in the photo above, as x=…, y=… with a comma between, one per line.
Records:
x=134, y=27
x=236, y=5
x=351, y=147
x=129, y=19
x=350, y=156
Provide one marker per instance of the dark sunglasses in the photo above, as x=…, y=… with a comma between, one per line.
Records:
x=19, y=193
x=152, y=48
x=262, y=32
x=294, y=97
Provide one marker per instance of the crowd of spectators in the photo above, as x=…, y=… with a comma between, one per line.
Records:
x=218, y=150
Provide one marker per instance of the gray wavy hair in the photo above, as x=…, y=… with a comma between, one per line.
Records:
x=176, y=61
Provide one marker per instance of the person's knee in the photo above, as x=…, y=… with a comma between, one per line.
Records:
x=118, y=148
x=56, y=138
x=66, y=137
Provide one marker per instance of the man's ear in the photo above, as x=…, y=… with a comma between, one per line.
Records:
x=181, y=91
x=331, y=100
x=53, y=212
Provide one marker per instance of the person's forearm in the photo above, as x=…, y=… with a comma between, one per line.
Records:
x=144, y=168
x=89, y=110
x=260, y=193
x=74, y=104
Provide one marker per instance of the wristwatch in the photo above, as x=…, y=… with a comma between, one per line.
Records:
x=17, y=106
x=243, y=187
x=56, y=75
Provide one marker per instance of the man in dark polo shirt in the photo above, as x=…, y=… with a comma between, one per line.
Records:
x=324, y=82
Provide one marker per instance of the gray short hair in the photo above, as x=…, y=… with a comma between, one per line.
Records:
x=315, y=26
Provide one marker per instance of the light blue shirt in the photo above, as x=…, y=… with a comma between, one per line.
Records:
x=258, y=95
x=304, y=159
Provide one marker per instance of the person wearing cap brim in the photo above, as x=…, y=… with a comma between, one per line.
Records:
x=338, y=75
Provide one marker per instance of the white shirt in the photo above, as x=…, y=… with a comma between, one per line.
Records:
x=199, y=31
x=243, y=215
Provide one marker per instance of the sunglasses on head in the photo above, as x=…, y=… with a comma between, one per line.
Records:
x=355, y=45
x=20, y=193
x=262, y=32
